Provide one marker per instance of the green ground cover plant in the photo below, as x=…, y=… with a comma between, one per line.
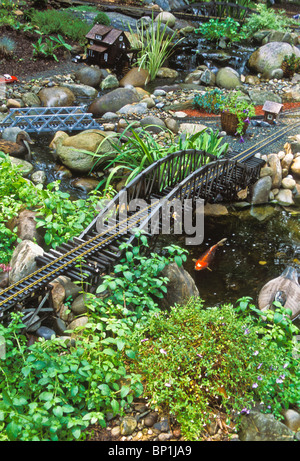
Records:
x=63, y=22
x=215, y=29
x=58, y=216
x=53, y=390
x=266, y=19
x=195, y=358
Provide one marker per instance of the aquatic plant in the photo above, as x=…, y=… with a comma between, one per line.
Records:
x=155, y=46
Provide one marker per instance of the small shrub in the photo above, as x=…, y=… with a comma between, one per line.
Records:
x=210, y=101
x=7, y=47
x=266, y=19
x=215, y=29
x=102, y=18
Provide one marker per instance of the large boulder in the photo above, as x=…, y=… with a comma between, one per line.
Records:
x=89, y=75
x=270, y=56
x=77, y=152
x=227, y=78
x=261, y=190
x=113, y=101
x=180, y=287
x=135, y=77
x=259, y=427
x=23, y=260
x=56, y=96
x=85, y=91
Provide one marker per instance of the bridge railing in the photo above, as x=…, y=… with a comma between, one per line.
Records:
x=157, y=178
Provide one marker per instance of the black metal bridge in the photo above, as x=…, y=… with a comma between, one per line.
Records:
x=189, y=174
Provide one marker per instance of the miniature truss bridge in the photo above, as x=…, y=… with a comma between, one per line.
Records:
x=50, y=119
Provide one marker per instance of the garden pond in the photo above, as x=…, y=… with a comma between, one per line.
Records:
x=261, y=240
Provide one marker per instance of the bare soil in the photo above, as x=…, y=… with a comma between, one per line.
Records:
x=23, y=65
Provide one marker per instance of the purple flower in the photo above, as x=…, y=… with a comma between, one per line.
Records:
x=255, y=353
x=163, y=351
x=247, y=120
x=241, y=139
x=246, y=332
x=259, y=365
x=145, y=339
x=279, y=381
x=259, y=378
x=245, y=411
x=255, y=385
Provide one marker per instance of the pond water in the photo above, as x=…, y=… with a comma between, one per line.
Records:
x=254, y=253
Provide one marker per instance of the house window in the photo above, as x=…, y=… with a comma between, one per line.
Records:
x=91, y=42
x=91, y=53
x=121, y=38
x=105, y=56
x=98, y=37
x=270, y=117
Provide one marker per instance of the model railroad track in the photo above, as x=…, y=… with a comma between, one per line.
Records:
x=185, y=174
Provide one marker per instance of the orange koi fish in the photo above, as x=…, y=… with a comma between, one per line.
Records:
x=204, y=260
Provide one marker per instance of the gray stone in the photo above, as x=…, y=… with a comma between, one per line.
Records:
x=227, y=78
x=292, y=419
x=270, y=56
x=56, y=96
x=113, y=101
x=138, y=108
x=261, y=190
x=180, y=286
x=109, y=82
x=89, y=75
x=259, y=427
x=259, y=97
x=78, y=306
x=153, y=124
x=23, y=260
x=128, y=425
x=25, y=168
x=39, y=177
x=31, y=99
x=45, y=332
x=81, y=90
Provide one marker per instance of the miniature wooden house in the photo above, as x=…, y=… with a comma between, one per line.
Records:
x=271, y=111
x=107, y=47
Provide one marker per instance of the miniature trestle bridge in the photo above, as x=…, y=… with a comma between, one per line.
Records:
x=189, y=174
x=50, y=119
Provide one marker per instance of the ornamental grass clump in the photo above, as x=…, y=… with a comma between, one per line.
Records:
x=156, y=46
x=196, y=360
